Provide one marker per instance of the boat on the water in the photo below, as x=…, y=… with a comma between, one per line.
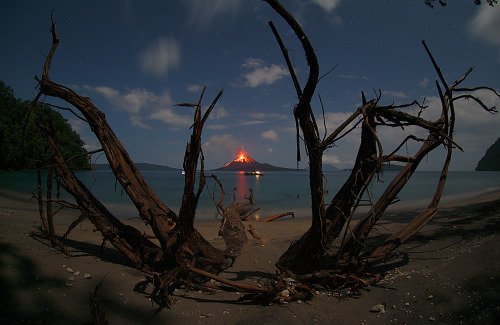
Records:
x=255, y=172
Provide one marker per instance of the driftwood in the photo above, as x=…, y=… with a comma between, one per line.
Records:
x=47, y=220
x=280, y=215
x=255, y=235
x=178, y=241
x=333, y=221
x=250, y=197
x=98, y=315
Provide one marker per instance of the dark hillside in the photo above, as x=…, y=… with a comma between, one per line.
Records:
x=491, y=159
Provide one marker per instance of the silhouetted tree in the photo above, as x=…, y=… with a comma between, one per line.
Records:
x=21, y=147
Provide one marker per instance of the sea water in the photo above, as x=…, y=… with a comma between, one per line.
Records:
x=273, y=192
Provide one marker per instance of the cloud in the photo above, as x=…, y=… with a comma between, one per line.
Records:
x=131, y=102
x=331, y=160
x=486, y=25
x=169, y=116
x=224, y=144
x=142, y=104
x=203, y=13
x=159, y=58
x=268, y=116
x=328, y=5
x=475, y=128
x=136, y=120
x=219, y=112
x=216, y=126
x=424, y=83
x=270, y=135
x=194, y=88
x=260, y=74
x=77, y=125
x=252, y=122
x=398, y=94
x=334, y=120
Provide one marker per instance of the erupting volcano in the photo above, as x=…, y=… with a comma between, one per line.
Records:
x=242, y=158
x=244, y=163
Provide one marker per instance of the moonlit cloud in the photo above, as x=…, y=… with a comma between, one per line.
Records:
x=334, y=120
x=194, y=88
x=328, y=5
x=424, y=83
x=486, y=25
x=169, y=116
x=268, y=116
x=474, y=126
x=260, y=74
x=136, y=120
x=143, y=105
x=159, y=58
x=270, y=135
x=475, y=129
x=219, y=112
x=131, y=102
x=223, y=144
x=391, y=93
x=331, y=160
x=203, y=13
x=251, y=122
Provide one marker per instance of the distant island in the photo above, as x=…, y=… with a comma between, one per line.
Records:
x=143, y=167
x=491, y=159
x=330, y=168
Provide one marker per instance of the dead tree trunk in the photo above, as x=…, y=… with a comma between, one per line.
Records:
x=180, y=244
x=307, y=251
x=308, y=254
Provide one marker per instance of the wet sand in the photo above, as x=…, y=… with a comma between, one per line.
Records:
x=448, y=274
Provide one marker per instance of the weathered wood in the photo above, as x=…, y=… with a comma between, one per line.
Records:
x=305, y=255
x=50, y=212
x=242, y=286
x=233, y=232
x=295, y=257
x=279, y=215
x=174, y=233
x=98, y=315
x=255, y=235
x=41, y=210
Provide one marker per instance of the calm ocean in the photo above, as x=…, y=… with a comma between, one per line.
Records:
x=274, y=192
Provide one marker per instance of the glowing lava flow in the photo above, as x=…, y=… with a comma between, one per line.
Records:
x=242, y=158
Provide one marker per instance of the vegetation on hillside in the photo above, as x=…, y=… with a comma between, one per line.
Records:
x=491, y=159
x=21, y=146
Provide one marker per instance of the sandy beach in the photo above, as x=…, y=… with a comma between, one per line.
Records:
x=448, y=274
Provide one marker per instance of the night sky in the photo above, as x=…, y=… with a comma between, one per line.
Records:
x=136, y=59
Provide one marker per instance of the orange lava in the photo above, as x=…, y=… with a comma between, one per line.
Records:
x=242, y=158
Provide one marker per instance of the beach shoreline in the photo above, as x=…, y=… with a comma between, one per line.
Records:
x=447, y=273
